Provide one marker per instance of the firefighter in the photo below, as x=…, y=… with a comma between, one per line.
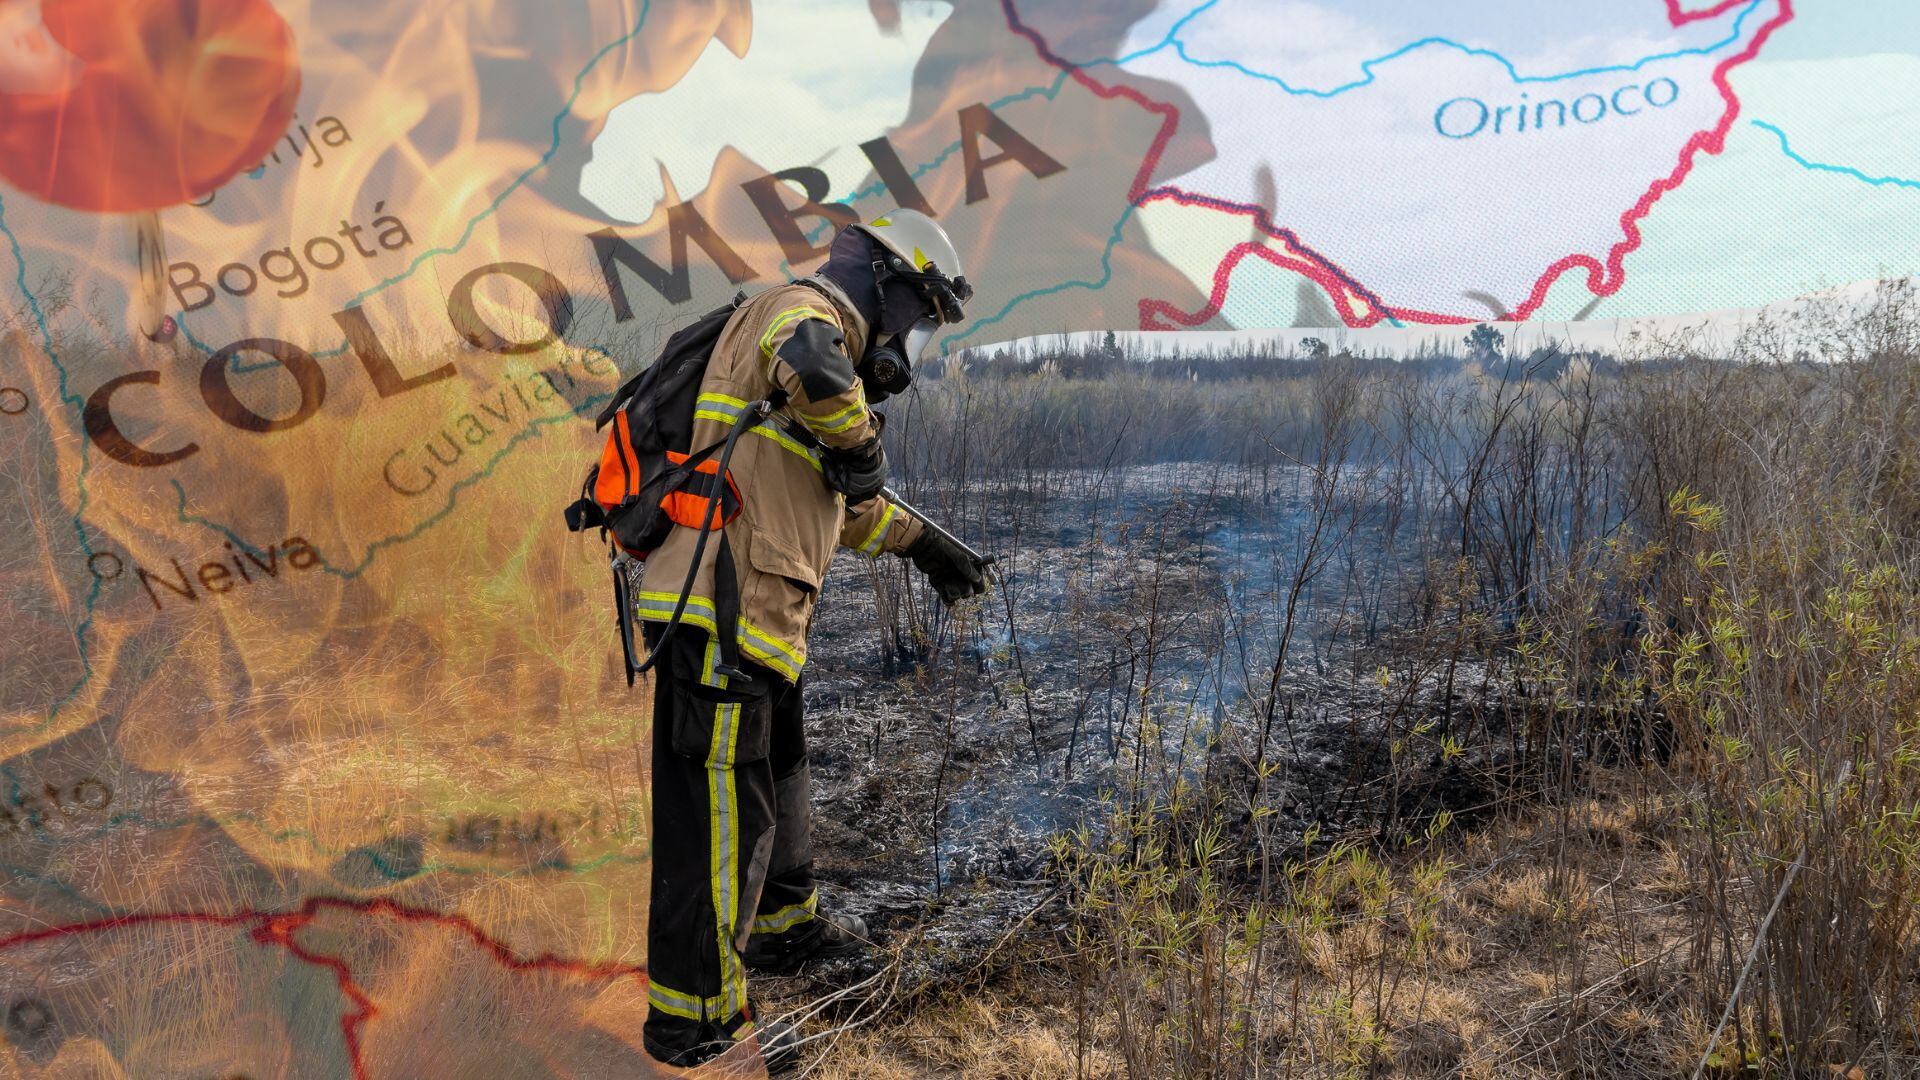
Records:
x=733, y=884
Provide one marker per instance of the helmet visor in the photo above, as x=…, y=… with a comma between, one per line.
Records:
x=917, y=337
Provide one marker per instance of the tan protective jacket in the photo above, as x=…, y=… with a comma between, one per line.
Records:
x=801, y=340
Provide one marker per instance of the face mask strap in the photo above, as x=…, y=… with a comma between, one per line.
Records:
x=881, y=272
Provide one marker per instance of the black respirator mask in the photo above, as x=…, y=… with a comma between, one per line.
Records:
x=887, y=367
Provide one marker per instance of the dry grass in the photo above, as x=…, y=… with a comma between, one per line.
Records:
x=1490, y=996
x=1016, y=1031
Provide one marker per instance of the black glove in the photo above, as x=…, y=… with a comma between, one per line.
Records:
x=950, y=570
x=859, y=473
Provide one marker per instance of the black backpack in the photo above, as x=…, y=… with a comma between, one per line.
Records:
x=649, y=479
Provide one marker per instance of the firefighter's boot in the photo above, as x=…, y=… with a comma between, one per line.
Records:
x=818, y=938
x=779, y=1046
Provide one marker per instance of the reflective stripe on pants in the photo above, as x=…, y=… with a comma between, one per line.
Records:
x=729, y=846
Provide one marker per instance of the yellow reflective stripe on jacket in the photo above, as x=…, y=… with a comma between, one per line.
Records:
x=788, y=441
x=785, y=318
x=788, y=917
x=838, y=422
x=719, y=408
x=722, y=409
x=723, y=847
x=729, y=406
x=658, y=607
x=879, y=534
x=755, y=642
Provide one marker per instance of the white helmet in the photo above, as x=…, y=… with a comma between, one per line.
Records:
x=923, y=257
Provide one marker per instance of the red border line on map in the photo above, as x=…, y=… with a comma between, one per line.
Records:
x=279, y=930
x=1602, y=279
x=1605, y=281
x=1678, y=17
x=276, y=928
x=1303, y=259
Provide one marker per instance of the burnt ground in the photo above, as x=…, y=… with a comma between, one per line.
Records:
x=948, y=749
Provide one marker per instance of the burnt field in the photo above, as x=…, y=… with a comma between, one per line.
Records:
x=1477, y=717
x=1131, y=633
x=1154, y=629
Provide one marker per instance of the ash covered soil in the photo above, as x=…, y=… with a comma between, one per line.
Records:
x=948, y=748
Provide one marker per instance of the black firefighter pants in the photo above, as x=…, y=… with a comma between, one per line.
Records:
x=732, y=843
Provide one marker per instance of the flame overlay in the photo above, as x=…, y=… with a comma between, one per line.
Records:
x=143, y=104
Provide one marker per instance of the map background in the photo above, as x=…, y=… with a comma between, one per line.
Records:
x=349, y=807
